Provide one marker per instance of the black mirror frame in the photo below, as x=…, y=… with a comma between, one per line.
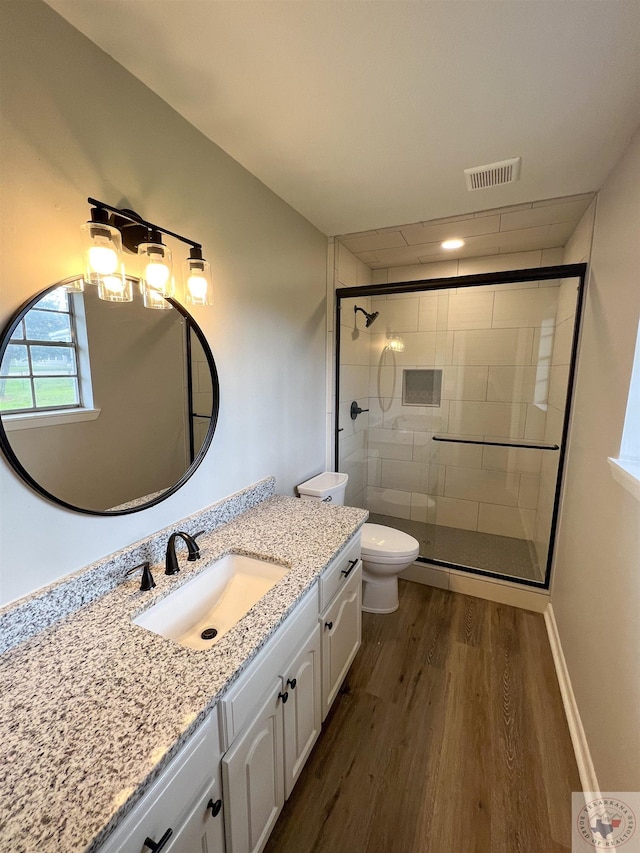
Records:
x=19, y=469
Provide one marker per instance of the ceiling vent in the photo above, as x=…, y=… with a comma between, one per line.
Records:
x=493, y=175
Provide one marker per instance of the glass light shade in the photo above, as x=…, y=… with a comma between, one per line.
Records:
x=153, y=298
x=197, y=282
x=75, y=286
x=102, y=251
x=116, y=287
x=155, y=267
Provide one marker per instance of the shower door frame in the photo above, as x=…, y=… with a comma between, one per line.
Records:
x=578, y=271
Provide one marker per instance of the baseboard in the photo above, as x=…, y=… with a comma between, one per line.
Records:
x=491, y=589
x=578, y=737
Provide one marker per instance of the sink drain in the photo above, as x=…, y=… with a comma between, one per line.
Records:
x=209, y=633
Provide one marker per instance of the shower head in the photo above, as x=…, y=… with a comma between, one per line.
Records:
x=370, y=317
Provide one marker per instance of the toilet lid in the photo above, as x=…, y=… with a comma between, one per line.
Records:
x=378, y=540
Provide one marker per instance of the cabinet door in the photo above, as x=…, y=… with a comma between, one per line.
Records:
x=253, y=779
x=341, y=626
x=303, y=710
x=203, y=831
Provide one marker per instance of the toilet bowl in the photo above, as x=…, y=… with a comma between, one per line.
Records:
x=385, y=551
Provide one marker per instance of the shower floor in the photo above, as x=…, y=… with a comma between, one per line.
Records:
x=503, y=555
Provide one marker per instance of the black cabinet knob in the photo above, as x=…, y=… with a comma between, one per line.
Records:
x=328, y=625
x=291, y=682
x=156, y=846
x=215, y=807
x=284, y=696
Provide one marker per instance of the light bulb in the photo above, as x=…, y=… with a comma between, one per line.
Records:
x=156, y=275
x=453, y=243
x=113, y=284
x=197, y=285
x=103, y=260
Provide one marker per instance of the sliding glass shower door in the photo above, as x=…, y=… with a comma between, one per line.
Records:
x=462, y=389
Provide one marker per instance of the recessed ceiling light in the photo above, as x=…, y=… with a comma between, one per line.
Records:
x=454, y=243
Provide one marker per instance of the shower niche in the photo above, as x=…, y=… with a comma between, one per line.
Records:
x=467, y=383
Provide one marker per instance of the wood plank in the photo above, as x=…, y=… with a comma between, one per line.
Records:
x=448, y=737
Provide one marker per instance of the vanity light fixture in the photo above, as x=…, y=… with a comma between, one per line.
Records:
x=453, y=243
x=111, y=228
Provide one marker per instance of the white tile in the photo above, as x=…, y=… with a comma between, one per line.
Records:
x=374, y=471
x=389, y=502
x=420, y=506
x=498, y=210
x=457, y=513
x=512, y=384
x=354, y=383
x=418, y=234
x=565, y=199
x=373, y=242
x=563, y=343
x=521, y=460
x=379, y=276
x=442, y=319
x=558, y=385
x=407, y=476
x=477, y=484
x=553, y=426
x=398, y=316
x=468, y=417
x=357, y=472
x=391, y=444
x=347, y=267
x=498, y=263
x=428, y=313
x=385, y=381
x=436, y=576
x=544, y=215
x=529, y=491
x=535, y=423
x=450, y=453
x=417, y=272
x=567, y=298
x=516, y=308
x=493, y=346
x=355, y=346
x=464, y=383
x=444, y=348
x=470, y=310
x=437, y=475
x=552, y=257
x=419, y=349
x=506, y=521
x=363, y=275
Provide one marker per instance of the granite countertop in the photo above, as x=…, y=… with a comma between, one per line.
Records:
x=94, y=707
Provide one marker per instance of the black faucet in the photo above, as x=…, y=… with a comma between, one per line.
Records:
x=171, y=561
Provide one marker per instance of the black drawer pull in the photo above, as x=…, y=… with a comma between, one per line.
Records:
x=284, y=696
x=352, y=565
x=215, y=807
x=156, y=846
x=291, y=682
x=328, y=625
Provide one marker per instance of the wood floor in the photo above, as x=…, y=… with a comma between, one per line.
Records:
x=448, y=737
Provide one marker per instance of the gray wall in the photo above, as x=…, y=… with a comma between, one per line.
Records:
x=76, y=124
x=596, y=587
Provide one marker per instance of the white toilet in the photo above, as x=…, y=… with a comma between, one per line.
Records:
x=385, y=552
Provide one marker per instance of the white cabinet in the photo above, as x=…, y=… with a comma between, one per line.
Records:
x=341, y=624
x=303, y=710
x=253, y=778
x=175, y=812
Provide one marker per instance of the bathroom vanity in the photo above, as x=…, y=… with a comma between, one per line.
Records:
x=119, y=737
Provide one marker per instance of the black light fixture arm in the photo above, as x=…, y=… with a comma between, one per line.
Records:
x=132, y=216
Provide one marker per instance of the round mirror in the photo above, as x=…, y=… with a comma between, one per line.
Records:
x=106, y=408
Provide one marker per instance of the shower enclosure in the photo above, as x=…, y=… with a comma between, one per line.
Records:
x=452, y=411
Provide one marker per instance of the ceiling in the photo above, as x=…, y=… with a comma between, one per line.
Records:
x=362, y=114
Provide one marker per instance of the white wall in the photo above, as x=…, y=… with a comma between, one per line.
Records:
x=596, y=586
x=76, y=124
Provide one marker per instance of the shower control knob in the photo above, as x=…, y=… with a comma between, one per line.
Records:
x=356, y=410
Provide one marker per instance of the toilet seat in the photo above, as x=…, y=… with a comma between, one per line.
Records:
x=387, y=545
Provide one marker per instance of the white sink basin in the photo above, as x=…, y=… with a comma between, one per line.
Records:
x=217, y=598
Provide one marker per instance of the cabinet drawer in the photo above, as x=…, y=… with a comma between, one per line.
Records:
x=170, y=800
x=341, y=636
x=334, y=576
x=243, y=699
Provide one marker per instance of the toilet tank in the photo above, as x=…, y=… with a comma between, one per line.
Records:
x=328, y=487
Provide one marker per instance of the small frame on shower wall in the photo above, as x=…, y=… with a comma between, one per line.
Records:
x=421, y=387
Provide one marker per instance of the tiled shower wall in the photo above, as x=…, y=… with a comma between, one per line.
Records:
x=488, y=342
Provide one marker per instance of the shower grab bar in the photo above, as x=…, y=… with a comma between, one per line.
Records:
x=498, y=443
